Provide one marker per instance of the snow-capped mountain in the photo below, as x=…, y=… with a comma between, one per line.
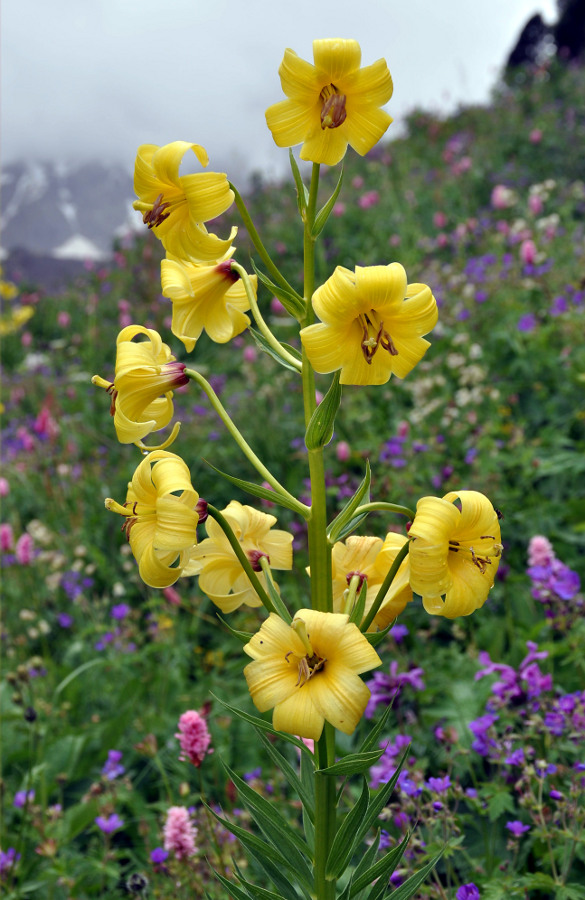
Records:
x=65, y=212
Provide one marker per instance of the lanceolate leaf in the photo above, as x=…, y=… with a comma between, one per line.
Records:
x=261, y=723
x=265, y=853
x=320, y=428
x=376, y=637
x=325, y=211
x=302, y=192
x=382, y=869
x=353, y=763
x=372, y=738
x=243, y=636
x=255, y=489
x=344, y=841
x=345, y=522
x=293, y=304
x=265, y=346
x=275, y=828
x=289, y=773
x=410, y=886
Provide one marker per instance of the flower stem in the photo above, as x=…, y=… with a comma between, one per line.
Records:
x=256, y=240
x=262, y=326
x=382, y=506
x=295, y=504
x=384, y=587
x=242, y=558
x=325, y=803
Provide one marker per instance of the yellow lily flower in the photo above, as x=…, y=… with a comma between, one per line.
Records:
x=221, y=575
x=370, y=558
x=454, y=552
x=161, y=517
x=331, y=104
x=210, y=297
x=176, y=206
x=371, y=326
x=145, y=375
x=308, y=672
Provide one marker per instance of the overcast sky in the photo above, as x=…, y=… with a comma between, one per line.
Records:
x=95, y=79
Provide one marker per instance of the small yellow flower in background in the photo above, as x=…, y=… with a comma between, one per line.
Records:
x=371, y=326
x=161, y=517
x=309, y=672
x=14, y=319
x=331, y=104
x=8, y=290
x=145, y=375
x=210, y=297
x=370, y=558
x=176, y=206
x=221, y=575
x=454, y=552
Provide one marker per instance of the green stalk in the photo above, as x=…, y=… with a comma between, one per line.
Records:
x=325, y=824
x=319, y=549
x=242, y=558
x=321, y=575
x=384, y=587
x=223, y=414
x=262, y=326
x=256, y=240
x=382, y=506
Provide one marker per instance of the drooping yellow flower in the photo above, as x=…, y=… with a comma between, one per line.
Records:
x=454, y=552
x=210, y=297
x=221, y=575
x=309, y=672
x=176, y=206
x=145, y=376
x=161, y=517
x=331, y=104
x=370, y=559
x=371, y=326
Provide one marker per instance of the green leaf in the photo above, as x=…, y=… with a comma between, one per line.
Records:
x=274, y=827
x=353, y=763
x=346, y=522
x=255, y=489
x=344, y=841
x=357, y=612
x=570, y=892
x=382, y=869
x=413, y=883
x=372, y=739
x=293, y=303
x=376, y=637
x=375, y=805
x=253, y=889
x=320, y=428
x=77, y=672
x=302, y=192
x=233, y=890
x=264, y=852
x=282, y=764
x=77, y=818
x=367, y=859
x=243, y=636
x=499, y=803
x=325, y=211
x=261, y=723
x=266, y=348
x=308, y=781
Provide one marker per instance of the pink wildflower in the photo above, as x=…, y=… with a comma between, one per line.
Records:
x=6, y=537
x=250, y=354
x=357, y=182
x=172, y=596
x=4, y=487
x=342, y=451
x=535, y=136
x=502, y=197
x=179, y=833
x=540, y=551
x=439, y=219
x=24, y=549
x=535, y=204
x=528, y=252
x=370, y=198
x=338, y=209
x=194, y=737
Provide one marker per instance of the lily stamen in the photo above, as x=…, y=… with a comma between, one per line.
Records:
x=333, y=112
x=382, y=339
x=156, y=215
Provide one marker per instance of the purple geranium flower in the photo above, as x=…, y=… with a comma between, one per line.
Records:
x=109, y=825
x=112, y=768
x=158, y=855
x=21, y=798
x=517, y=828
x=467, y=891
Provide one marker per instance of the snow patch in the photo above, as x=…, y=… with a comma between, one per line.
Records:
x=78, y=247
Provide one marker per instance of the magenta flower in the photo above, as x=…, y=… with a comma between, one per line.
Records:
x=194, y=737
x=179, y=833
